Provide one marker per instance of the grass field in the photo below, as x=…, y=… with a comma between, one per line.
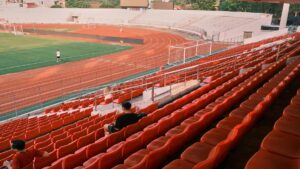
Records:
x=19, y=53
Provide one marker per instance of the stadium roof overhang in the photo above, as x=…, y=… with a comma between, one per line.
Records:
x=275, y=1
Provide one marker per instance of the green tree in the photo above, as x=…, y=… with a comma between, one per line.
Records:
x=235, y=5
x=56, y=6
x=110, y=3
x=203, y=4
x=77, y=4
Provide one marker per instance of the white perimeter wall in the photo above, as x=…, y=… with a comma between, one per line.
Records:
x=227, y=25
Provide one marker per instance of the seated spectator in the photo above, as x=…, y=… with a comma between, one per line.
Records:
x=107, y=92
x=23, y=158
x=124, y=119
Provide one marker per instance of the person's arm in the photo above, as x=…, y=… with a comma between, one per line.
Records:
x=7, y=164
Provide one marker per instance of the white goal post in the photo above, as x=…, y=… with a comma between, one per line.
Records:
x=182, y=52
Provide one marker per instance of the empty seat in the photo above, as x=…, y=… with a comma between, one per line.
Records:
x=45, y=128
x=30, y=134
x=74, y=160
x=85, y=140
x=41, y=162
x=178, y=164
x=197, y=152
x=282, y=143
x=229, y=123
x=73, y=130
x=48, y=148
x=288, y=125
x=43, y=144
x=79, y=134
x=62, y=142
x=214, y=136
x=42, y=138
x=265, y=159
x=59, y=137
x=67, y=149
x=157, y=143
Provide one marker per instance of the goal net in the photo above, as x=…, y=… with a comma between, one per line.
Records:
x=187, y=51
x=7, y=27
x=90, y=23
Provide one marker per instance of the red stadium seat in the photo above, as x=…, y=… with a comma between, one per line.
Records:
x=74, y=160
x=39, y=163
x=99, y=133
x=43, y=144
x=67, y=149
x=92, y=128
x=62, y=142
x=265, y=159
x=111, y=158
x=73, y=130
x=79, y=134
x=30, y=134
x=197, y=152
x=48, y=148
x=130, y=146
x=42, y=138
x=59, y=137
x=96, y=148
x=45, y=128
x=282, y=143
x=179, y=164
x=85, y=140
x=57, y=124
x=57, y=132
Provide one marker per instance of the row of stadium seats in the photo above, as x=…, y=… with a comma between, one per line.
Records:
x=237, y=51
x=86, y=145
x=82, y=132
x=95, y=100
x=28, y=129
x=157, y=151
x=280, y=148
x=216, y=143
x=129, y=144
x=33, y=136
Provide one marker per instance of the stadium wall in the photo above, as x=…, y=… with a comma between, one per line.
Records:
x=173, y=19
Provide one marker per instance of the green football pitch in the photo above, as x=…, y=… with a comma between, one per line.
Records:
x=19, y=53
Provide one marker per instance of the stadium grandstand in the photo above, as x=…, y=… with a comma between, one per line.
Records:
x=211, y=89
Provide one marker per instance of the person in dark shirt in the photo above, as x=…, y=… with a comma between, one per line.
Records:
x=124, y=119
x=23, y=158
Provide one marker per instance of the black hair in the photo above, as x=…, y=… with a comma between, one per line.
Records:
x=18, y=145
x=126, y=105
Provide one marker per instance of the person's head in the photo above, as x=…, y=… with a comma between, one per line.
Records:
x=18, y=145
x=57, y=50
x=107, y=89
x=126, y=106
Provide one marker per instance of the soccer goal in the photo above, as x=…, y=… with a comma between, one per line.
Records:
x=187, y=51
x=15, y=29
x=90, y=23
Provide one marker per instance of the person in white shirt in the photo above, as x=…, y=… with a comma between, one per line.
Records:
x=58, y=55
x=107, y=92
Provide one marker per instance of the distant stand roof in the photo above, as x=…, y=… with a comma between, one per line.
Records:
x=275, y=1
